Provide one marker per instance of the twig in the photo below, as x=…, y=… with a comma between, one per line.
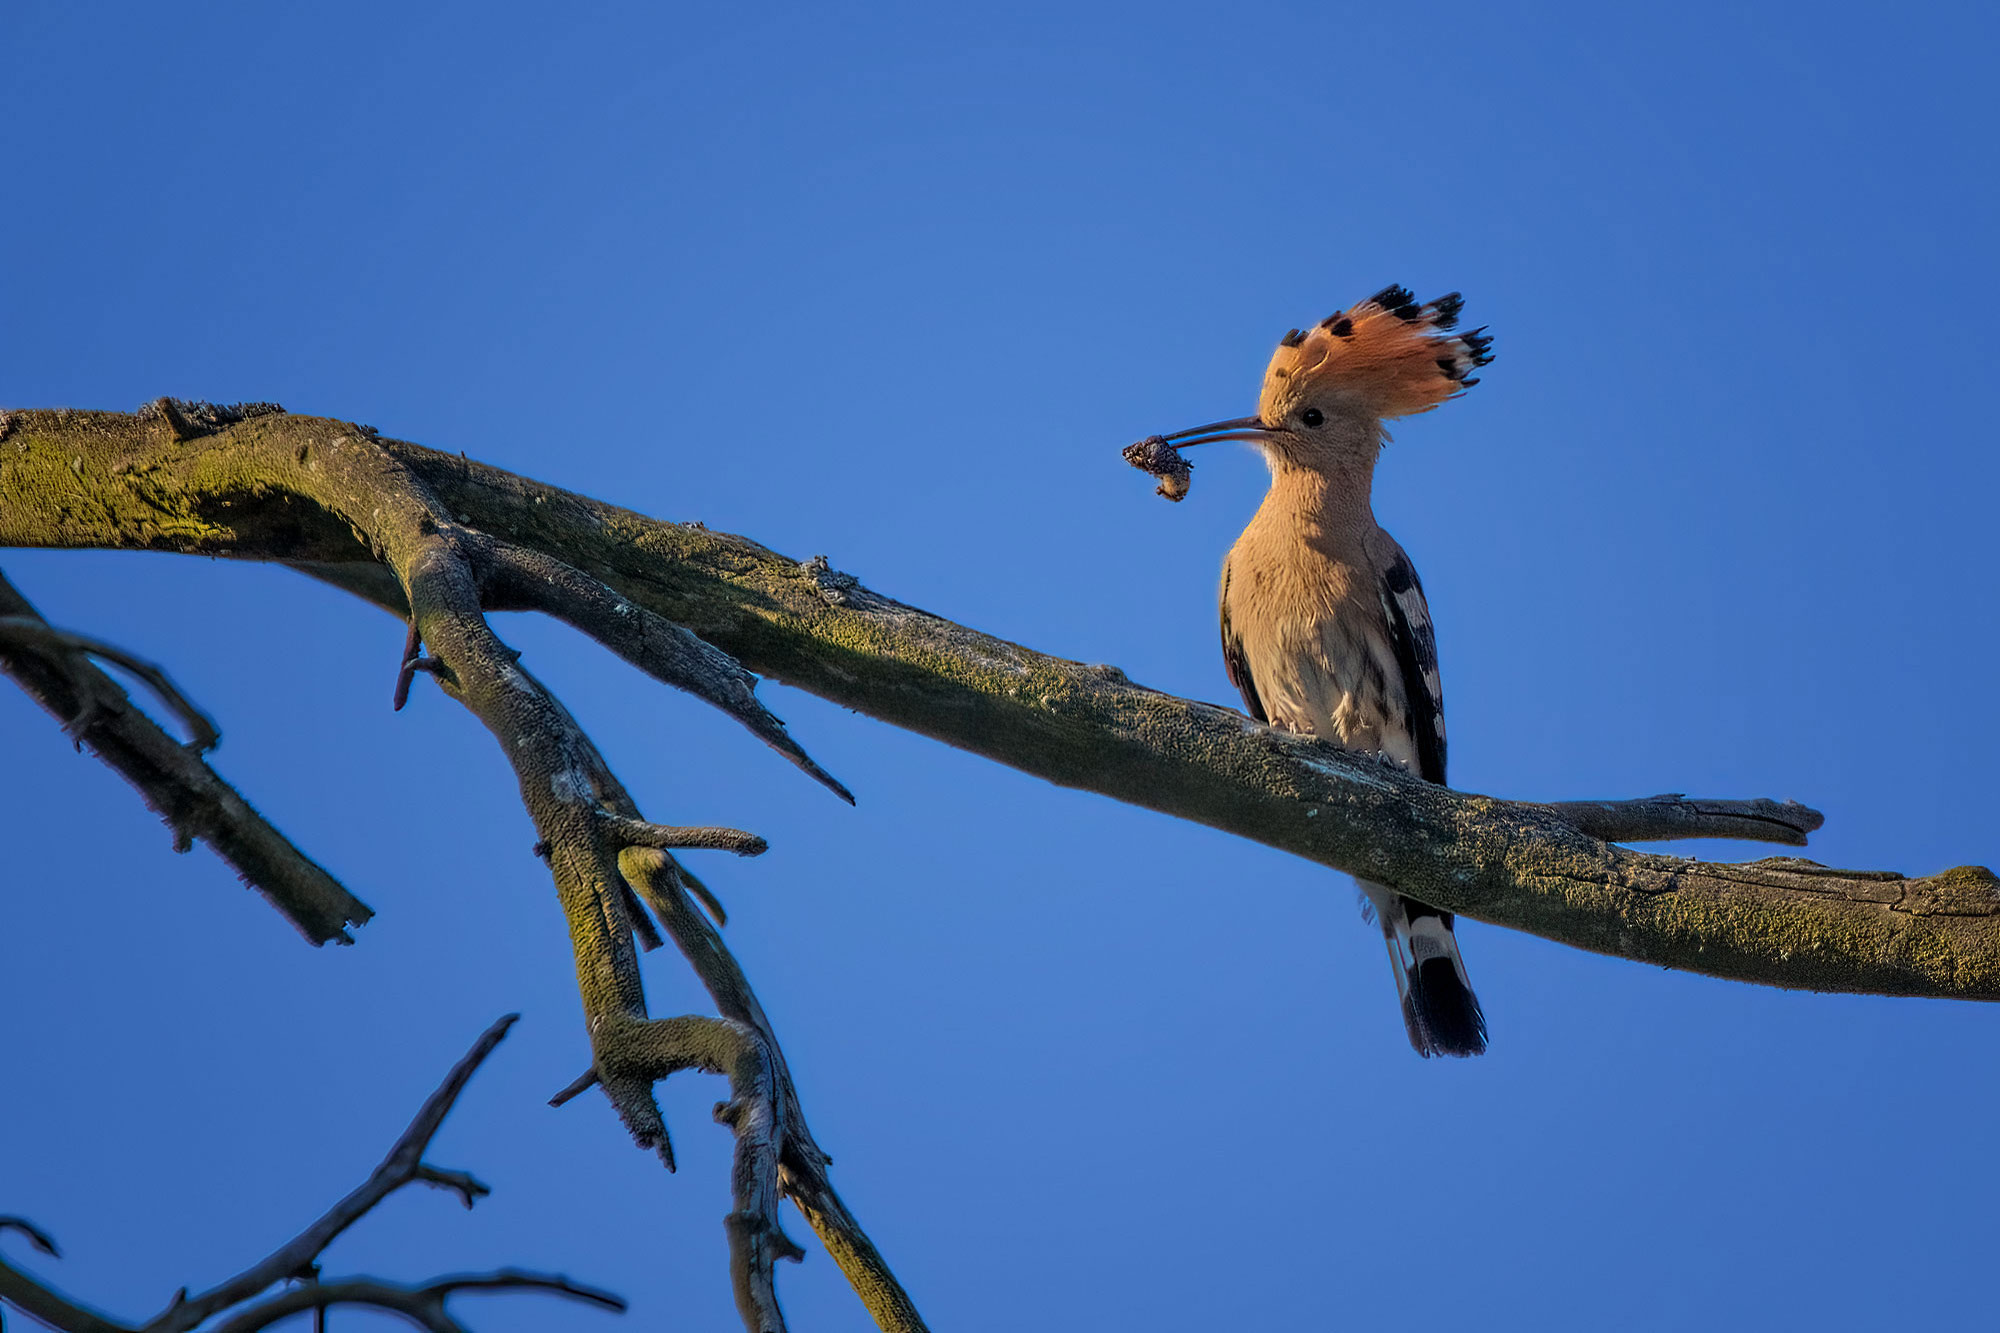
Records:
x=172, y=778
x=46, y=1305
x=702, y=894
x=576, y=1087
x=860, y=1262
x=639, y=833
x=37, y=1237
x=516, y=578
x=644, y=1053
x=63, y=650
x=403, y=1165
x=406, y=671
x=41, y=1301
x=423, y=1306
x=802, y=1163
x=1671, y=816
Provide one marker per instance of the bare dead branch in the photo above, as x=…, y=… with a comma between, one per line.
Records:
x=430, y=666
x=403, y=1165
x=576, y=1087
x=584, y=817
x=411, y=663
x=863, y=1265
x=708, y=900
x=592, y=832
x=515, y=578
x=638, y=833
x=50, y=1307
x=802, y=1163
x=641, y=1054
x=41, y=1301
x=1673, y=816
x=423, y=1306
x=61, y=648
x=172, y=778
x=37, y=1237
x=296, y=1261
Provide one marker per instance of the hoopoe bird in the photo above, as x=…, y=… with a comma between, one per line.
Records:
x=1324, y=625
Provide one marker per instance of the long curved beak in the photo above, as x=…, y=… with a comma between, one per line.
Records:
x=1241, y=428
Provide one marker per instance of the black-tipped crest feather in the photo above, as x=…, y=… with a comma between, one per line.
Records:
x=1394, y=297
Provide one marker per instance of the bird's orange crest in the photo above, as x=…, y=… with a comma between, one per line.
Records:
x=1388, y=355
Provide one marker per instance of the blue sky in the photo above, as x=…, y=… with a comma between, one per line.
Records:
x=895, y=284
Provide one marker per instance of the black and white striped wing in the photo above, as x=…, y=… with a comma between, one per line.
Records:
x=1235, y=660
x=1415, y=644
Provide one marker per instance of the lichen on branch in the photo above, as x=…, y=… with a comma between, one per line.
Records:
x=277, y=487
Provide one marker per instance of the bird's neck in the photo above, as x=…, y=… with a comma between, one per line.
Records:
x=1321, y=500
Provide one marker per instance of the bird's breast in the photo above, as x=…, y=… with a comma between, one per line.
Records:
x=1313, y=638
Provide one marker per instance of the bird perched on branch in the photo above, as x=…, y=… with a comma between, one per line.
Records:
x=1324, y=625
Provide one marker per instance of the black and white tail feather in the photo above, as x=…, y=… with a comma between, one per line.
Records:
x=1440, y=1011
x=1439, y=1008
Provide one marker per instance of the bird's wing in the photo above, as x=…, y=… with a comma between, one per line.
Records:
x=1235, y=661
x=1415, y=644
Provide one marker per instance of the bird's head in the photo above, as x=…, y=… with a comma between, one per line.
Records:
x=1329, y=388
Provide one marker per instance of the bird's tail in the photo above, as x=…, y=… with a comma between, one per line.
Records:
x=1439, y=1008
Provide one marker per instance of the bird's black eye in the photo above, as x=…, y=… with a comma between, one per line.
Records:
x=1312, y=416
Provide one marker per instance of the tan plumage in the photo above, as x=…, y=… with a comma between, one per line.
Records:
x=1324, y=625
x=1302, y=596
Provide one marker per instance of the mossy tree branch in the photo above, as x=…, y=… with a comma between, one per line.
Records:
x=446, y=577
x=54, y=668
x=255, y=489
x=802, y=1166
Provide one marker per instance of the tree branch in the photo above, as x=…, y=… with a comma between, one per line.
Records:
x=640, y=1054
x=449, y=576
x=593, y=836
x=174, y=780
x=515, y=578
x=638, y=833
x=422, y=1306
x=297, y=1260
x=74, y=480
x=1672, y=816
x=42, y=1302
x=31, y=634
x=404, y=1164
x=802, y=1164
